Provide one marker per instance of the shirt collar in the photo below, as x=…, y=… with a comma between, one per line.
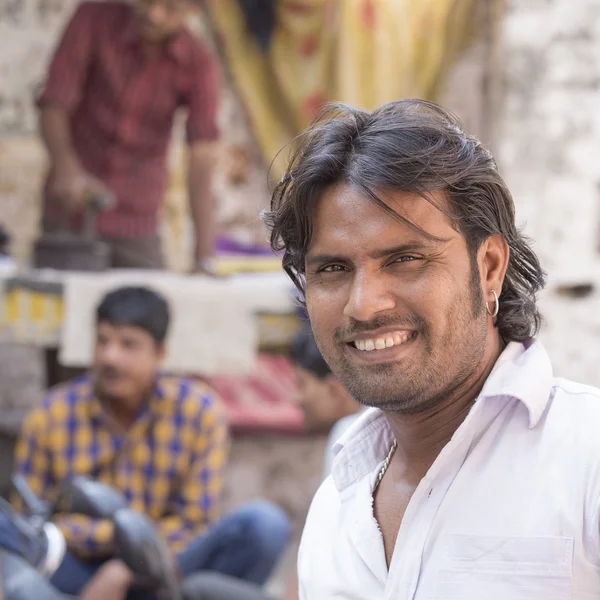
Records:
x=523, y=371
x=97, y=411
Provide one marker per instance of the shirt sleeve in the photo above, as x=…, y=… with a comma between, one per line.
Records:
x=202, y=99
x=69, y=67
x=32, y=458
x=87, y=537
x=198, y=500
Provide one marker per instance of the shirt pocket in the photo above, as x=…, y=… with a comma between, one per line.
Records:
x=501, y=568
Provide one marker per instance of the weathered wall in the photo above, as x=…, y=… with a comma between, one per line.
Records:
x=547, y=143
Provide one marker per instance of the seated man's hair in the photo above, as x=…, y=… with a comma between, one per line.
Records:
x=305, y=353
x=138, y=307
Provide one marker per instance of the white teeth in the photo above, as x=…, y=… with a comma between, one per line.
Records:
x=380, y=343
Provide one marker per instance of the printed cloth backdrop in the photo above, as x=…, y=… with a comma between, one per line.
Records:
x=288, y=57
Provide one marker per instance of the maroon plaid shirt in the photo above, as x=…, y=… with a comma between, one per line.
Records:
x=121, y=107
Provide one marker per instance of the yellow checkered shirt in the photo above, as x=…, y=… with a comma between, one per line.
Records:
x=169, y=464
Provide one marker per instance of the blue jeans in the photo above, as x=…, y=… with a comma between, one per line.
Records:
x=245, y=544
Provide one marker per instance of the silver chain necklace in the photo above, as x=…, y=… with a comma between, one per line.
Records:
x=386, y=464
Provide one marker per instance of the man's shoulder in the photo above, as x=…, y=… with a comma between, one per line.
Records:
x=60, y=400
x=575, y=407
x=579, y=397
x=69, y=393
x=192, y=396
x=196, y=53
x=574, y=388
x=99, y=9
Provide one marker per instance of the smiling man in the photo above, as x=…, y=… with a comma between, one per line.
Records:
x=476, y=474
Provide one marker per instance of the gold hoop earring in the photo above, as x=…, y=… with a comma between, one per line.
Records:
x=496, y=307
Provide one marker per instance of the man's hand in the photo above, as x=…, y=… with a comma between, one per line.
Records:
x=71, y=186
x=112, y=581
x=68, y=185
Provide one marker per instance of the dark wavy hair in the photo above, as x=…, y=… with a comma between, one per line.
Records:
x=418, y=147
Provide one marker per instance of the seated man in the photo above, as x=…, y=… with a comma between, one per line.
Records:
x=162, y=441
x=324, y=401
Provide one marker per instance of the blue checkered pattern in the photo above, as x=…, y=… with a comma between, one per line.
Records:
x=169, y=464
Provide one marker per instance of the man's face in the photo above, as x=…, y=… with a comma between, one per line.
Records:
x=397, y=316
x=314, y=396
x=160, y=19
x=126, y=361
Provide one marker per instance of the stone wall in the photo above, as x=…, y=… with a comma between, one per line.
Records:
x=546, y=141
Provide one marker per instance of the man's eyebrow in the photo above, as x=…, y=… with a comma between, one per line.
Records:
x=410, y=246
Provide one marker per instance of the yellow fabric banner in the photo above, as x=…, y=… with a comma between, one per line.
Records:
x=362, y=52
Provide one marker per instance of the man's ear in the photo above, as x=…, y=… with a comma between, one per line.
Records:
x=161, y=351
x=493, y=258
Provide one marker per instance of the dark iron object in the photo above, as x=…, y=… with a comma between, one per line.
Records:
x=70, y=251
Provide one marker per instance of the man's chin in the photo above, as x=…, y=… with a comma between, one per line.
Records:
x=390, y=397
x=110, y=392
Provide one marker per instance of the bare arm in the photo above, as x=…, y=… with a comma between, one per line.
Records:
x=60, y=97
x=201, y=163
x=68, y=181
x=202, y=132
x=54, y=125
x=112, y=581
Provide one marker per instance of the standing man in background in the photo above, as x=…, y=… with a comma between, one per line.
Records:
x=118, y=76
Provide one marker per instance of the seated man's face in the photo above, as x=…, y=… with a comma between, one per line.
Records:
x=322, y=400
x=158, y=20
x=126, y=362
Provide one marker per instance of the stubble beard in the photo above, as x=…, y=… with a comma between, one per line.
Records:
x=444, y=367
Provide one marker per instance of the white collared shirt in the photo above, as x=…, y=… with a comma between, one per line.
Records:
x=508, y=511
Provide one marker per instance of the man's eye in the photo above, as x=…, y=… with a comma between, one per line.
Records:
x=406, y=258
x=332, y=269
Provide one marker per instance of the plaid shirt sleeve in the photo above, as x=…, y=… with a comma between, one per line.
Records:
x=85, y=536
x=202, y=99
x=197, y=503
x=32, y=457
x=69, y=67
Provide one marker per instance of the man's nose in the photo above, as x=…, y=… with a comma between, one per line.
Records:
x=368, y=296
x=109, y=355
